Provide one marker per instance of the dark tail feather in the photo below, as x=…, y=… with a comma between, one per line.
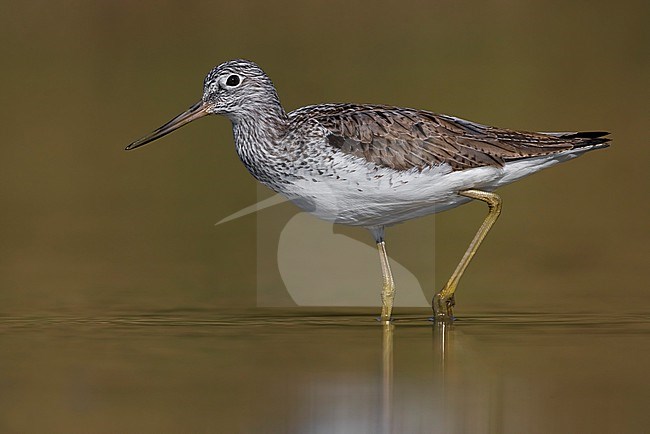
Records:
x=587, y=134
x=585, y=138
x=592, y=138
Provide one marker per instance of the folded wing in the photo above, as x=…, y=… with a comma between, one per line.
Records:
x=404, y=139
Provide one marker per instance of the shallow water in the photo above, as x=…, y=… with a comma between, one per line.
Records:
x=266, y=370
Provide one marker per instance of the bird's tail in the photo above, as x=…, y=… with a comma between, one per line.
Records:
x=582, y=139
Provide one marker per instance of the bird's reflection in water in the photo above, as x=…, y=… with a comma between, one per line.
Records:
x=387, y=376
x=441, y=335
x=440, y=391
x=440, y=351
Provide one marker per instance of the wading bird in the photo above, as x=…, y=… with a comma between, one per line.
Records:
x=373, y=165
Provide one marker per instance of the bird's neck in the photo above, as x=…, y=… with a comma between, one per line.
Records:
x=258, y=135
x=263, y=119
x=263, y=123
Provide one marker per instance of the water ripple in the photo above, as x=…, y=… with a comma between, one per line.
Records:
x=287, y=318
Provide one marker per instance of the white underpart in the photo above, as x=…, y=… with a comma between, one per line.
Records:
x=369, y=196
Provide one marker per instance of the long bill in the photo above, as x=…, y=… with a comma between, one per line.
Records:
x=197, y=111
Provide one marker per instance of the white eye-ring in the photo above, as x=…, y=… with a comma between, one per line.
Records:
x=233, y=80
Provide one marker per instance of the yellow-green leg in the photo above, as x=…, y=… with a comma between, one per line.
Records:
x=388, y=287
x=443, y=301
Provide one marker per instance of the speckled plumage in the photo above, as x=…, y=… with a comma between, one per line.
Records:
x=370, y=165
x=319, y=151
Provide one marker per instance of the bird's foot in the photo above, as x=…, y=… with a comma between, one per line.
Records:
x=443, y=308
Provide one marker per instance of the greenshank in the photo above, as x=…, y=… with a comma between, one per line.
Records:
x=375, y=165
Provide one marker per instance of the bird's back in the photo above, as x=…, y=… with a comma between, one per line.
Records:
x=403, y=138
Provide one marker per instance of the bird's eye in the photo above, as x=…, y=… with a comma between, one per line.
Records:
x=233, y=80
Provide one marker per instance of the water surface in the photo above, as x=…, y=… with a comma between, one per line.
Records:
x=267, y=370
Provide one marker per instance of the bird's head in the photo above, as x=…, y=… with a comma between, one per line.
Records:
x=238, y=89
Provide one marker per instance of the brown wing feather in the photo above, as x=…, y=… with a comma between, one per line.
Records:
x=404, y=139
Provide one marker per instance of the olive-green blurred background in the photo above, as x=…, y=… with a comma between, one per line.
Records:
x=87, y=227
